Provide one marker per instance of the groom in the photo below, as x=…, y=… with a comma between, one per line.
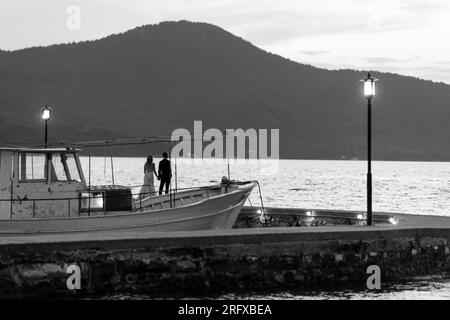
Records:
x=164, y=173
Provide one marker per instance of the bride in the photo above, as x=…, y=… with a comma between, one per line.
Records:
x=148, y=188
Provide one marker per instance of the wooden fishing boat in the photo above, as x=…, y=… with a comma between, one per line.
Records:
x=44, y=191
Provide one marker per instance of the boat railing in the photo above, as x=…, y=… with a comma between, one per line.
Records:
x=138, y=200
x=71, y=200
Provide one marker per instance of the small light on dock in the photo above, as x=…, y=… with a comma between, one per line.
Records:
x=360, y=216
x=393, y=220
x=309, y=213
x=259, y=211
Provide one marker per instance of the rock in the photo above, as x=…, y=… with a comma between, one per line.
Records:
x=115, y=280
x=338, y=257
x=186, y=265
x=131, y=278
x=299, y=277
x=279, y=277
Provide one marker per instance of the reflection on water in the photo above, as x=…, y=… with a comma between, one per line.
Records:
x=408, y=187
x=432, y=288
x=429, y=288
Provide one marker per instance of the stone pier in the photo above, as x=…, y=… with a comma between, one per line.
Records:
x=206, y=263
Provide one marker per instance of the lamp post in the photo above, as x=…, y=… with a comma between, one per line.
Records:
x=369, y=93
x=46, y=116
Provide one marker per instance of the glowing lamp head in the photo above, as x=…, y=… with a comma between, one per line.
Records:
x=46, y=113
x=360, y=217
x=308, y=213
x=369, y=86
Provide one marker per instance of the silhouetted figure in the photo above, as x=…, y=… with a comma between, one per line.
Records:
x=164, y=173
x=148, y=188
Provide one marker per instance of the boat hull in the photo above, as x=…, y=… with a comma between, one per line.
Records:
x=215, y=213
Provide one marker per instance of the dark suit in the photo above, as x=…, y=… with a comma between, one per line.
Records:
x=165, y=174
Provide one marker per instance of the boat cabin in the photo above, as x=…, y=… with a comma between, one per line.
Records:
x=44, y=183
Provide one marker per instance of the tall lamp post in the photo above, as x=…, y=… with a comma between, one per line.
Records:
x=369, y=93
x=46, y=116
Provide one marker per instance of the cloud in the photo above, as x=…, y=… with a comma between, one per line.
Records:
x=385, y=60
x=314, y=52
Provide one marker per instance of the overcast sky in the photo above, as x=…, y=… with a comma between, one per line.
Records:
x=403, y=36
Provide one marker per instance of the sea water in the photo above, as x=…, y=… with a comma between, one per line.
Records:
x=403, y=187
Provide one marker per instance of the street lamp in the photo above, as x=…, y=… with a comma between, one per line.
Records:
x=46, y=116
x=369, y=93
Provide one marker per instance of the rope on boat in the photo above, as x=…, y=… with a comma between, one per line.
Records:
x=263, y=210
x=122, y=142
x=111, y=143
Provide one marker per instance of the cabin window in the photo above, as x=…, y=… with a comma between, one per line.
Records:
x=93, y=201
x=32, y=166
x=58, y=170
x=72, y=167
x=65, y=168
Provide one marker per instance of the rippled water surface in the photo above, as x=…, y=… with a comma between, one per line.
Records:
x=407, y=187
x=432, y=288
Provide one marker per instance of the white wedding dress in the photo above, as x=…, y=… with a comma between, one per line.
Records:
x=148, y=188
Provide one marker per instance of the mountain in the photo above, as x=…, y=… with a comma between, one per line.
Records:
x=153, y=79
